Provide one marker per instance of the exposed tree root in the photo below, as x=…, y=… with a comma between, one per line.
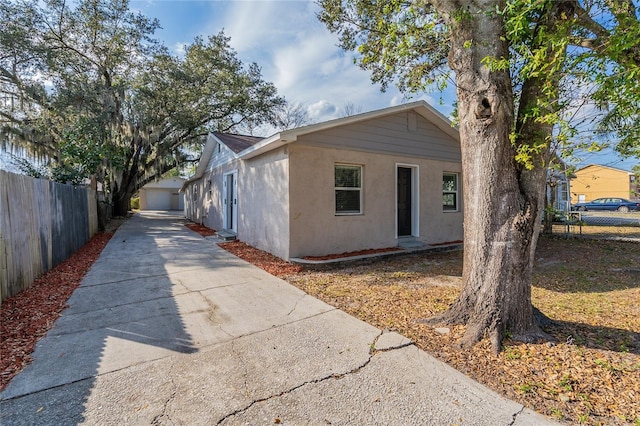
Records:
x=486, y=325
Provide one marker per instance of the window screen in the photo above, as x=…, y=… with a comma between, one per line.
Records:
x=348, y=189
x=450, y=192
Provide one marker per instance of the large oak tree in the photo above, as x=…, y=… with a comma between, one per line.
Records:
x=88, y=87
x=509, y=60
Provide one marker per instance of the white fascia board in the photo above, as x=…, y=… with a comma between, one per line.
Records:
x=265, y=145
x=207, y=151
x=205, y=157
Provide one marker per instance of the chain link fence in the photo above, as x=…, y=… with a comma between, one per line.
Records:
x=610, y=225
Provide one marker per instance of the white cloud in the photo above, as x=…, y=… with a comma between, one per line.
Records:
x=252, y=24
x=321, y=111
x=307, y=58
x=294, y=50
x=180, y=48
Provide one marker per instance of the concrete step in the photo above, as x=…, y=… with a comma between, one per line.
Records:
x=411, y=243
x=226, y=235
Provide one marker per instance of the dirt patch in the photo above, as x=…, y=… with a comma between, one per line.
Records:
x=115, y=222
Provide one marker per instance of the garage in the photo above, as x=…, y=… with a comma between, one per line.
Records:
x=162, y=195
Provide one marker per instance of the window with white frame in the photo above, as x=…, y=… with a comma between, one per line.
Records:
x=348, y=189
x=450, y=192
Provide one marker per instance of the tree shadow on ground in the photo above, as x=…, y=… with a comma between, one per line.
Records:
x=595, y=337
x=125, y=312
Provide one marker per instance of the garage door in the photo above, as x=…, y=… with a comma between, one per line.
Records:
x=158, y=199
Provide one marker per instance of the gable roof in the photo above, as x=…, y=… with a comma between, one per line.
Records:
x=207, y=151
x=166, y=183
x=288, y=136
x=237, y=143
x=245, y=147
x=604, y=167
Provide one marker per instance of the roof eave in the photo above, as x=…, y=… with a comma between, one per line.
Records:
x=268, y=144
x=606, y=167
x=207, y=151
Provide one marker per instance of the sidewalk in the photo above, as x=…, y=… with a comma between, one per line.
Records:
x=167, y=328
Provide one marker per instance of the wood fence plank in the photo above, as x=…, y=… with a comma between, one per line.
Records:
x=41, y=224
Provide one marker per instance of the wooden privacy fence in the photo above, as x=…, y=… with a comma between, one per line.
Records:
x=42, y=224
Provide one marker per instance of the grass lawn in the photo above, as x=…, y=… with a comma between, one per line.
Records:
x=590, y=288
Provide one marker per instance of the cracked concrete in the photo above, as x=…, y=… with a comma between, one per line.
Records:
x=390, y=340
x=163, y=417
x=515, y=416
x=302, y=296
x=204, y=338
x=334, y=376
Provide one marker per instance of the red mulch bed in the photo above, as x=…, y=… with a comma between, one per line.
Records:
x=27, y=316
x=263, y=260
x=201, y=229
x=352, y=253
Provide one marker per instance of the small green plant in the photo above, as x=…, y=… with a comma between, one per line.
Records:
x=526, y=388
x=512, y=354
x=135, y=203
x=557, y=413
x=585, y=400
x=565, y=383
x=605, y=364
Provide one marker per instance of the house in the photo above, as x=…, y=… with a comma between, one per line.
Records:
x=386, y=178
x=162, y=195
x=558, y=188
x=596, y=181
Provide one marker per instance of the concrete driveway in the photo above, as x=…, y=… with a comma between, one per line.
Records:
x=169, y=329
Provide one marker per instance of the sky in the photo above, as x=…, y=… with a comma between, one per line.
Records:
x=298, y=54
x=295, y=52
x=294, y=49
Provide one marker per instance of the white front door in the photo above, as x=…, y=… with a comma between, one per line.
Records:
x=230, y=201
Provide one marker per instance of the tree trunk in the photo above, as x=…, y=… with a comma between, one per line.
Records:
x=501, y=203
x=121, y=203
x=104, y=211
x=122, y=192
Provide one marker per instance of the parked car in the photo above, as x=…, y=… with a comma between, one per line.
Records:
x=612, y=204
